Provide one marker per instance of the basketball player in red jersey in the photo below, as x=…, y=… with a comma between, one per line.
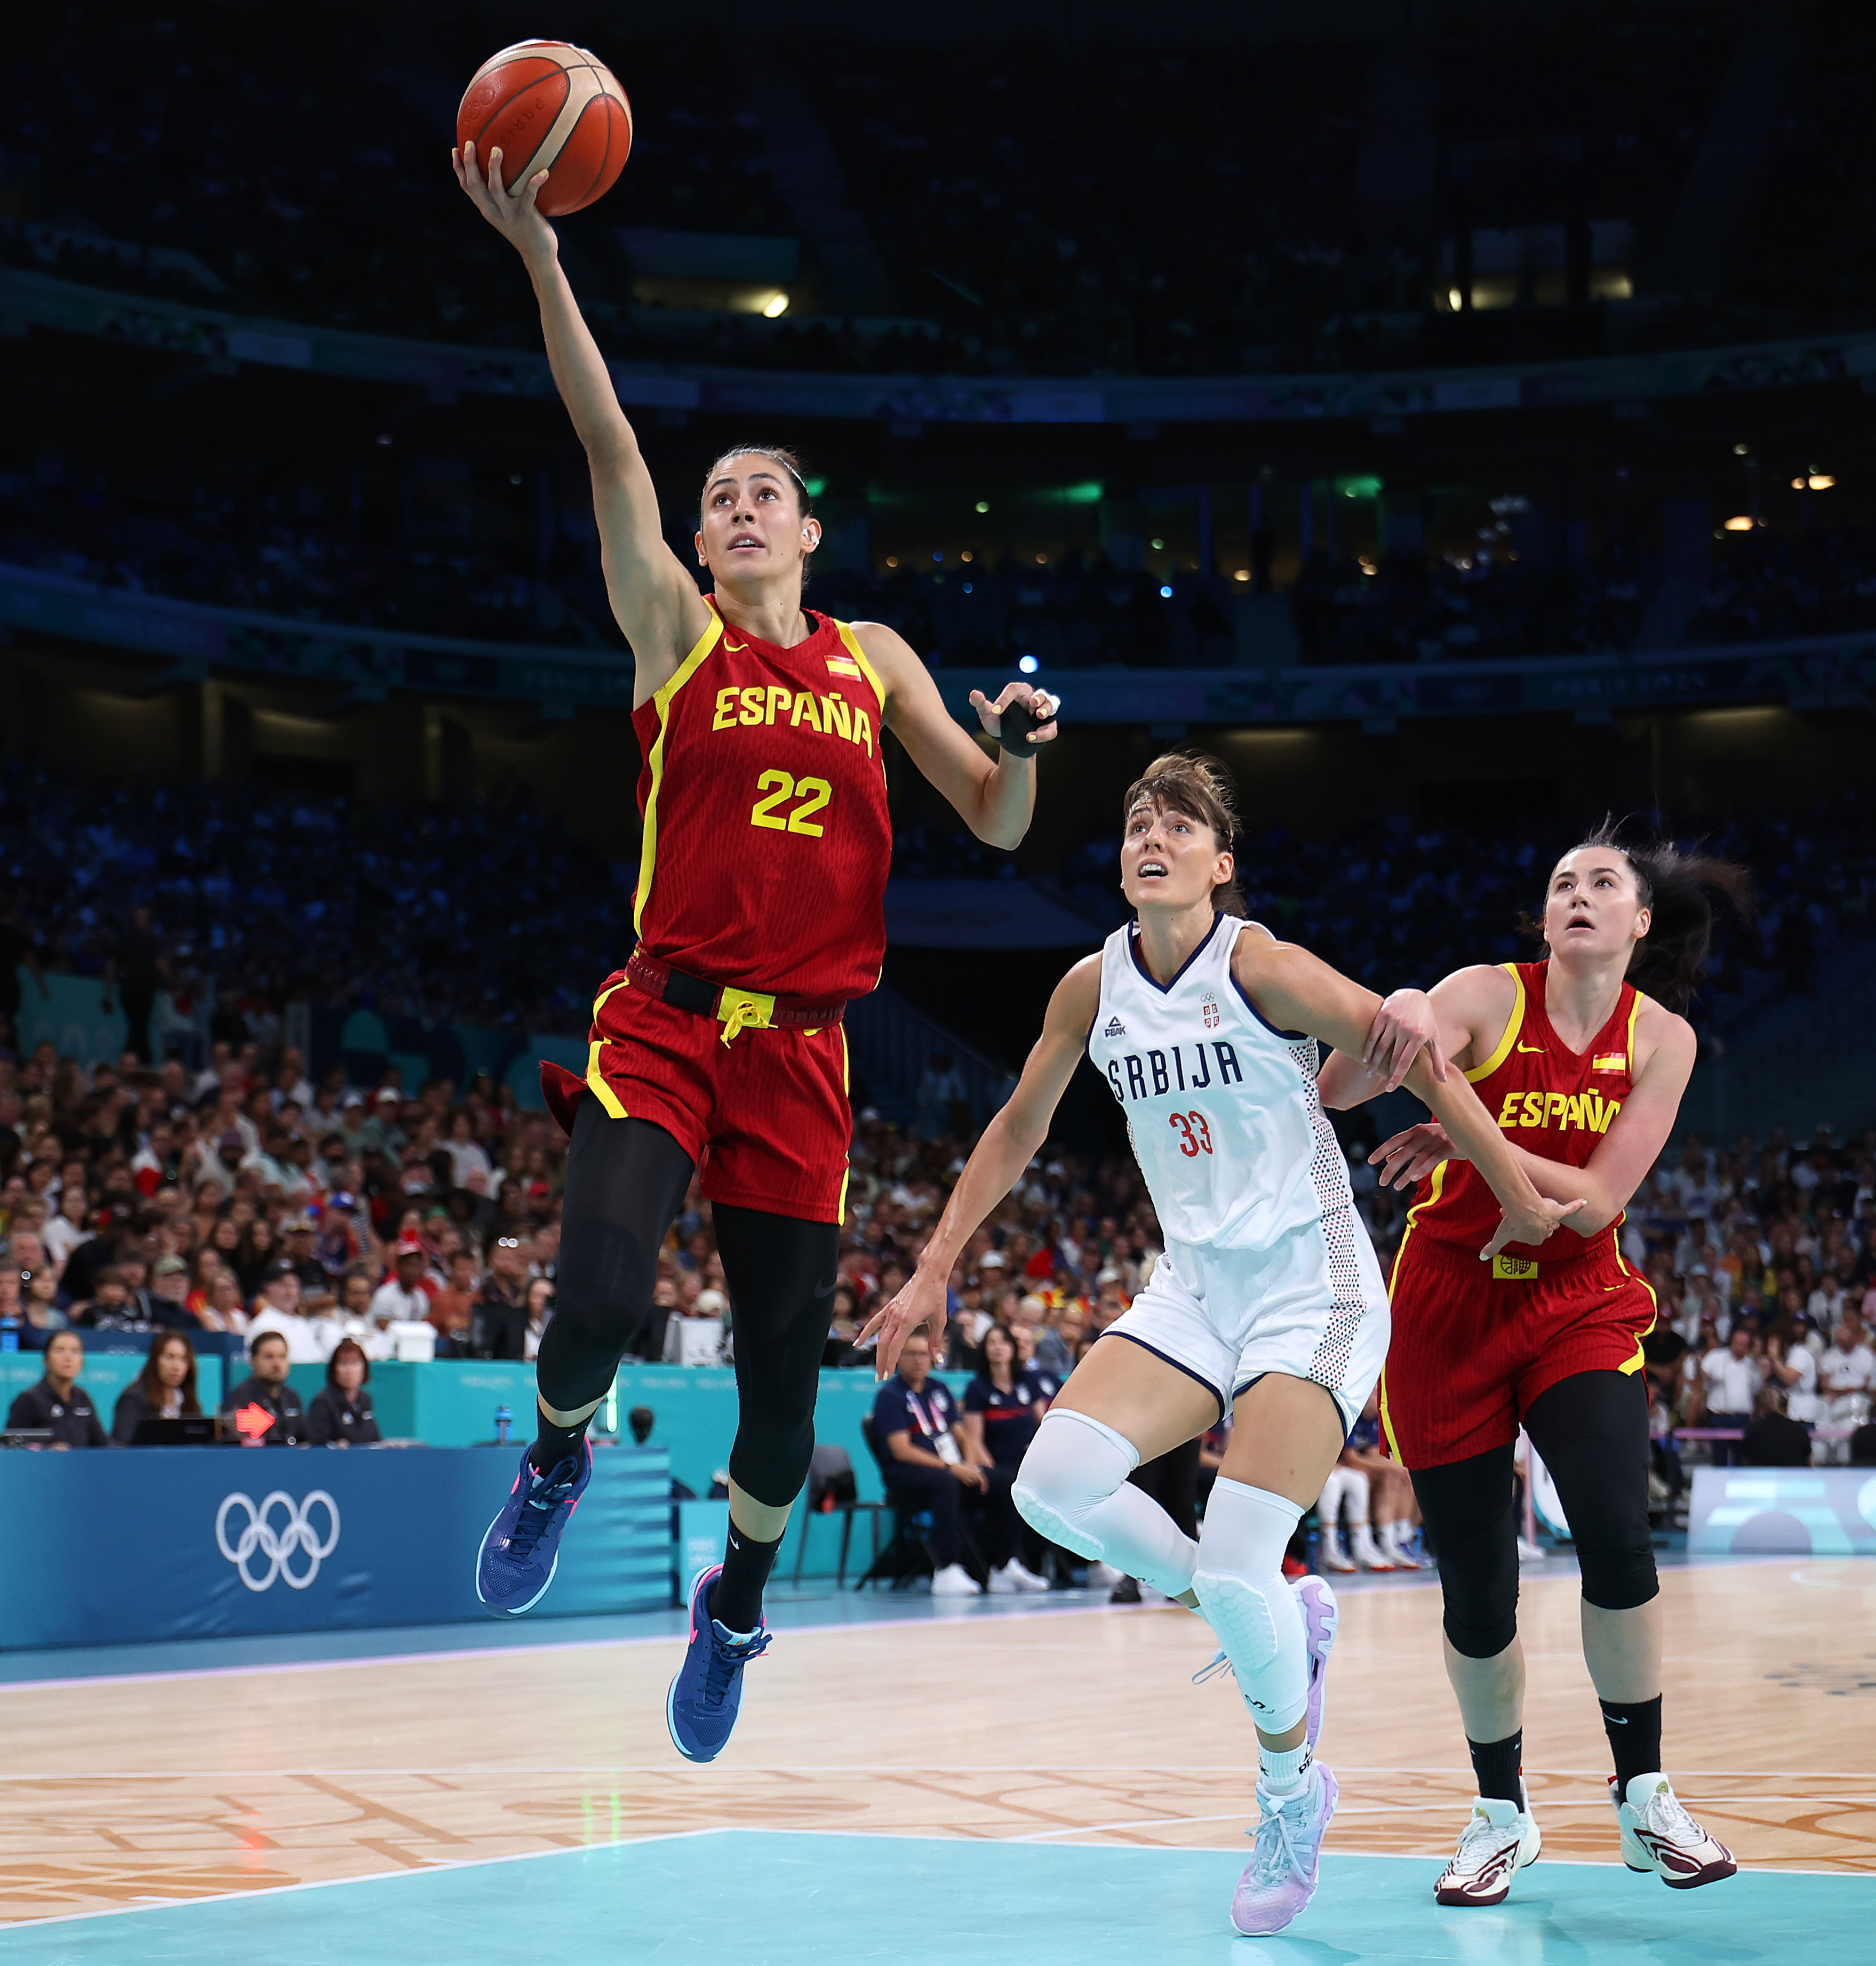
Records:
x=1584, y=1072
x=759, y=912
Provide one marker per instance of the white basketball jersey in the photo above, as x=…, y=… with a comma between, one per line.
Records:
x=1223, y=1110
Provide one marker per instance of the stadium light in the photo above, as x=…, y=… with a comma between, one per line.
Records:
x=1739, y=523
x=1027, y=664
x=775, y=306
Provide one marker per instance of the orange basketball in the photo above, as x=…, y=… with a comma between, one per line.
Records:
x=547, y=105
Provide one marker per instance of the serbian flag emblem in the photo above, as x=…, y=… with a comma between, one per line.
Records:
x=1610, y=1061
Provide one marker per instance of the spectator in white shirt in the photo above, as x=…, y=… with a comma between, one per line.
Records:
x=1828, y=1303
x=67, y=1230
x=1730, y=1377
x=401, y=1298
x=1845, y=1374
x=278, y=1309
x=467, y=1156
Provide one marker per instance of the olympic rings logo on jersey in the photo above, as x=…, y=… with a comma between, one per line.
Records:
x=258, y=1537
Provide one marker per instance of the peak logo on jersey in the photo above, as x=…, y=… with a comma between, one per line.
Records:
x=1213, y=1015
x=1610, y=1061
x=1115, y=1029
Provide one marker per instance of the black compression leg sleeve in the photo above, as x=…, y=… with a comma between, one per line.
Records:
x=781, y=1274
x=1592, y=1430
x=626, y=1180
x=1467, y=1507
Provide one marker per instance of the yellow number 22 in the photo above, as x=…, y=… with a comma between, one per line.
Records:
x=778, y=788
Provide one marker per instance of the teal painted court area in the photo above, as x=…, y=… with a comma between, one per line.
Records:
x=761, y=1898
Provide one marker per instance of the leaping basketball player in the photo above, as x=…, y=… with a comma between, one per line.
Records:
x=759, y=911
x=1269, y=1302
x=1585, y=1073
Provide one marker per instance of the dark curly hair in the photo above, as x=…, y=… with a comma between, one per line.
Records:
x=1676, y=887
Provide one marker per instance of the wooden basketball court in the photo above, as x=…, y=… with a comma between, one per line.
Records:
x=1062, y=1722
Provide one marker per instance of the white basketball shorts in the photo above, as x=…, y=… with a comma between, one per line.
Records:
x=1314, y=1307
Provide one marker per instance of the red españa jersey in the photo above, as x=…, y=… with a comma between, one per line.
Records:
x=1553, y=1102
x=767, y=839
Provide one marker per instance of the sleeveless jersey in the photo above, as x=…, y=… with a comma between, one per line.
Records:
x=763, y=795
x=1552, y=1101
x=1223, y=1111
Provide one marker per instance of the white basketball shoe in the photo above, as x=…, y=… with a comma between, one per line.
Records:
x=1658, y=1835
x=1499, y=1839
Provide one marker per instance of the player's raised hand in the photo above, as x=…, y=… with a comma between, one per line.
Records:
x=1530, y=1224
x=1411, y=1157
x=1405, y=1022
x=513, y=214
x=920, y=1305
x=1036, y=705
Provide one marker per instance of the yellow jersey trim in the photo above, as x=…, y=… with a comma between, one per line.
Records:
x=662, y=702
x=858, y=654
x=595, y=1080
x=847, y=1088
x=1511, y=1029
x=1635, y=1364
x=1634, y=1010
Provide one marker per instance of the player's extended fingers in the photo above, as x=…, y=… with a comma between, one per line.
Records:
x=1436, y=1059
x=1501, y=1236
x=530, y=192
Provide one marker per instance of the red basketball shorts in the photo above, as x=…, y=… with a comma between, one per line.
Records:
x=765, y=1116
x=1475, y=1343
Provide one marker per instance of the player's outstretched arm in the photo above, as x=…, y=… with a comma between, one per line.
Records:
x=1009, y=1143
x=1623, y=1157
x=1295, y=991
x=655, y=601
x=995, y=799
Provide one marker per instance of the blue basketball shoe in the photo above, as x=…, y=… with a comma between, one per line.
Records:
x=521, y=1552
x=701, y=1707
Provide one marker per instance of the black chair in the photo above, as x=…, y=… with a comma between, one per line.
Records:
x=831, y=1490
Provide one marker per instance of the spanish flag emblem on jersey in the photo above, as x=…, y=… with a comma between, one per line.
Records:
x=1610, y=1061
x=842, y=665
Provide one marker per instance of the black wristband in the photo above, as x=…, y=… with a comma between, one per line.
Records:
x=1014, y=726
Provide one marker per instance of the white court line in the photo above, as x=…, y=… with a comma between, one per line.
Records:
x=523, y=1650
x=1184, y=1770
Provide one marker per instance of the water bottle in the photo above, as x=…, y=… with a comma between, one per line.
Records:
x=9, y=1334
x=505, y=1423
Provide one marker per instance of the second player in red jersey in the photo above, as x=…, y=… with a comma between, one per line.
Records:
x=1489, y=1338
x=718, y=1052
x=1581, y=1060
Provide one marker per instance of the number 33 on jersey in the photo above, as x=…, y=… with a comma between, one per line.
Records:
x=767, y=838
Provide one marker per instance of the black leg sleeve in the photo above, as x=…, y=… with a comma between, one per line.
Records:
x=626, y=1180
x=1468, y=1508
x=781, y=1274
x=1592, y=1430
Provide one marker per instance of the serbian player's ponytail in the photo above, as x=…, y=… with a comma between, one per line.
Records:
x=1200, y=787
x=1678, y=889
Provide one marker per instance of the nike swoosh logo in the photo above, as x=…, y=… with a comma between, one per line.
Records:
x=734, y=647
x=828, y=1288
x=1524, y=1047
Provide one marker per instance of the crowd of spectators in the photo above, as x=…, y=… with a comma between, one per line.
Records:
x=1471, y=607
x=1768, y=586
x=487, y=914
x=1040, y=208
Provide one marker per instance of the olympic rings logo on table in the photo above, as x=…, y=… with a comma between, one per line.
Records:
x=259, y=1536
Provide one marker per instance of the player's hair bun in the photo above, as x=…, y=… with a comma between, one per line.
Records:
x=1199, y=786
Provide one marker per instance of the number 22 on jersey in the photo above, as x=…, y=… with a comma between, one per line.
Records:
x=778, y=787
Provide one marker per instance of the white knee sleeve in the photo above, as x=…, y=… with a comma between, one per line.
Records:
x=1246, y=1601
x=1347, y=1487
x=1073, y=1488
